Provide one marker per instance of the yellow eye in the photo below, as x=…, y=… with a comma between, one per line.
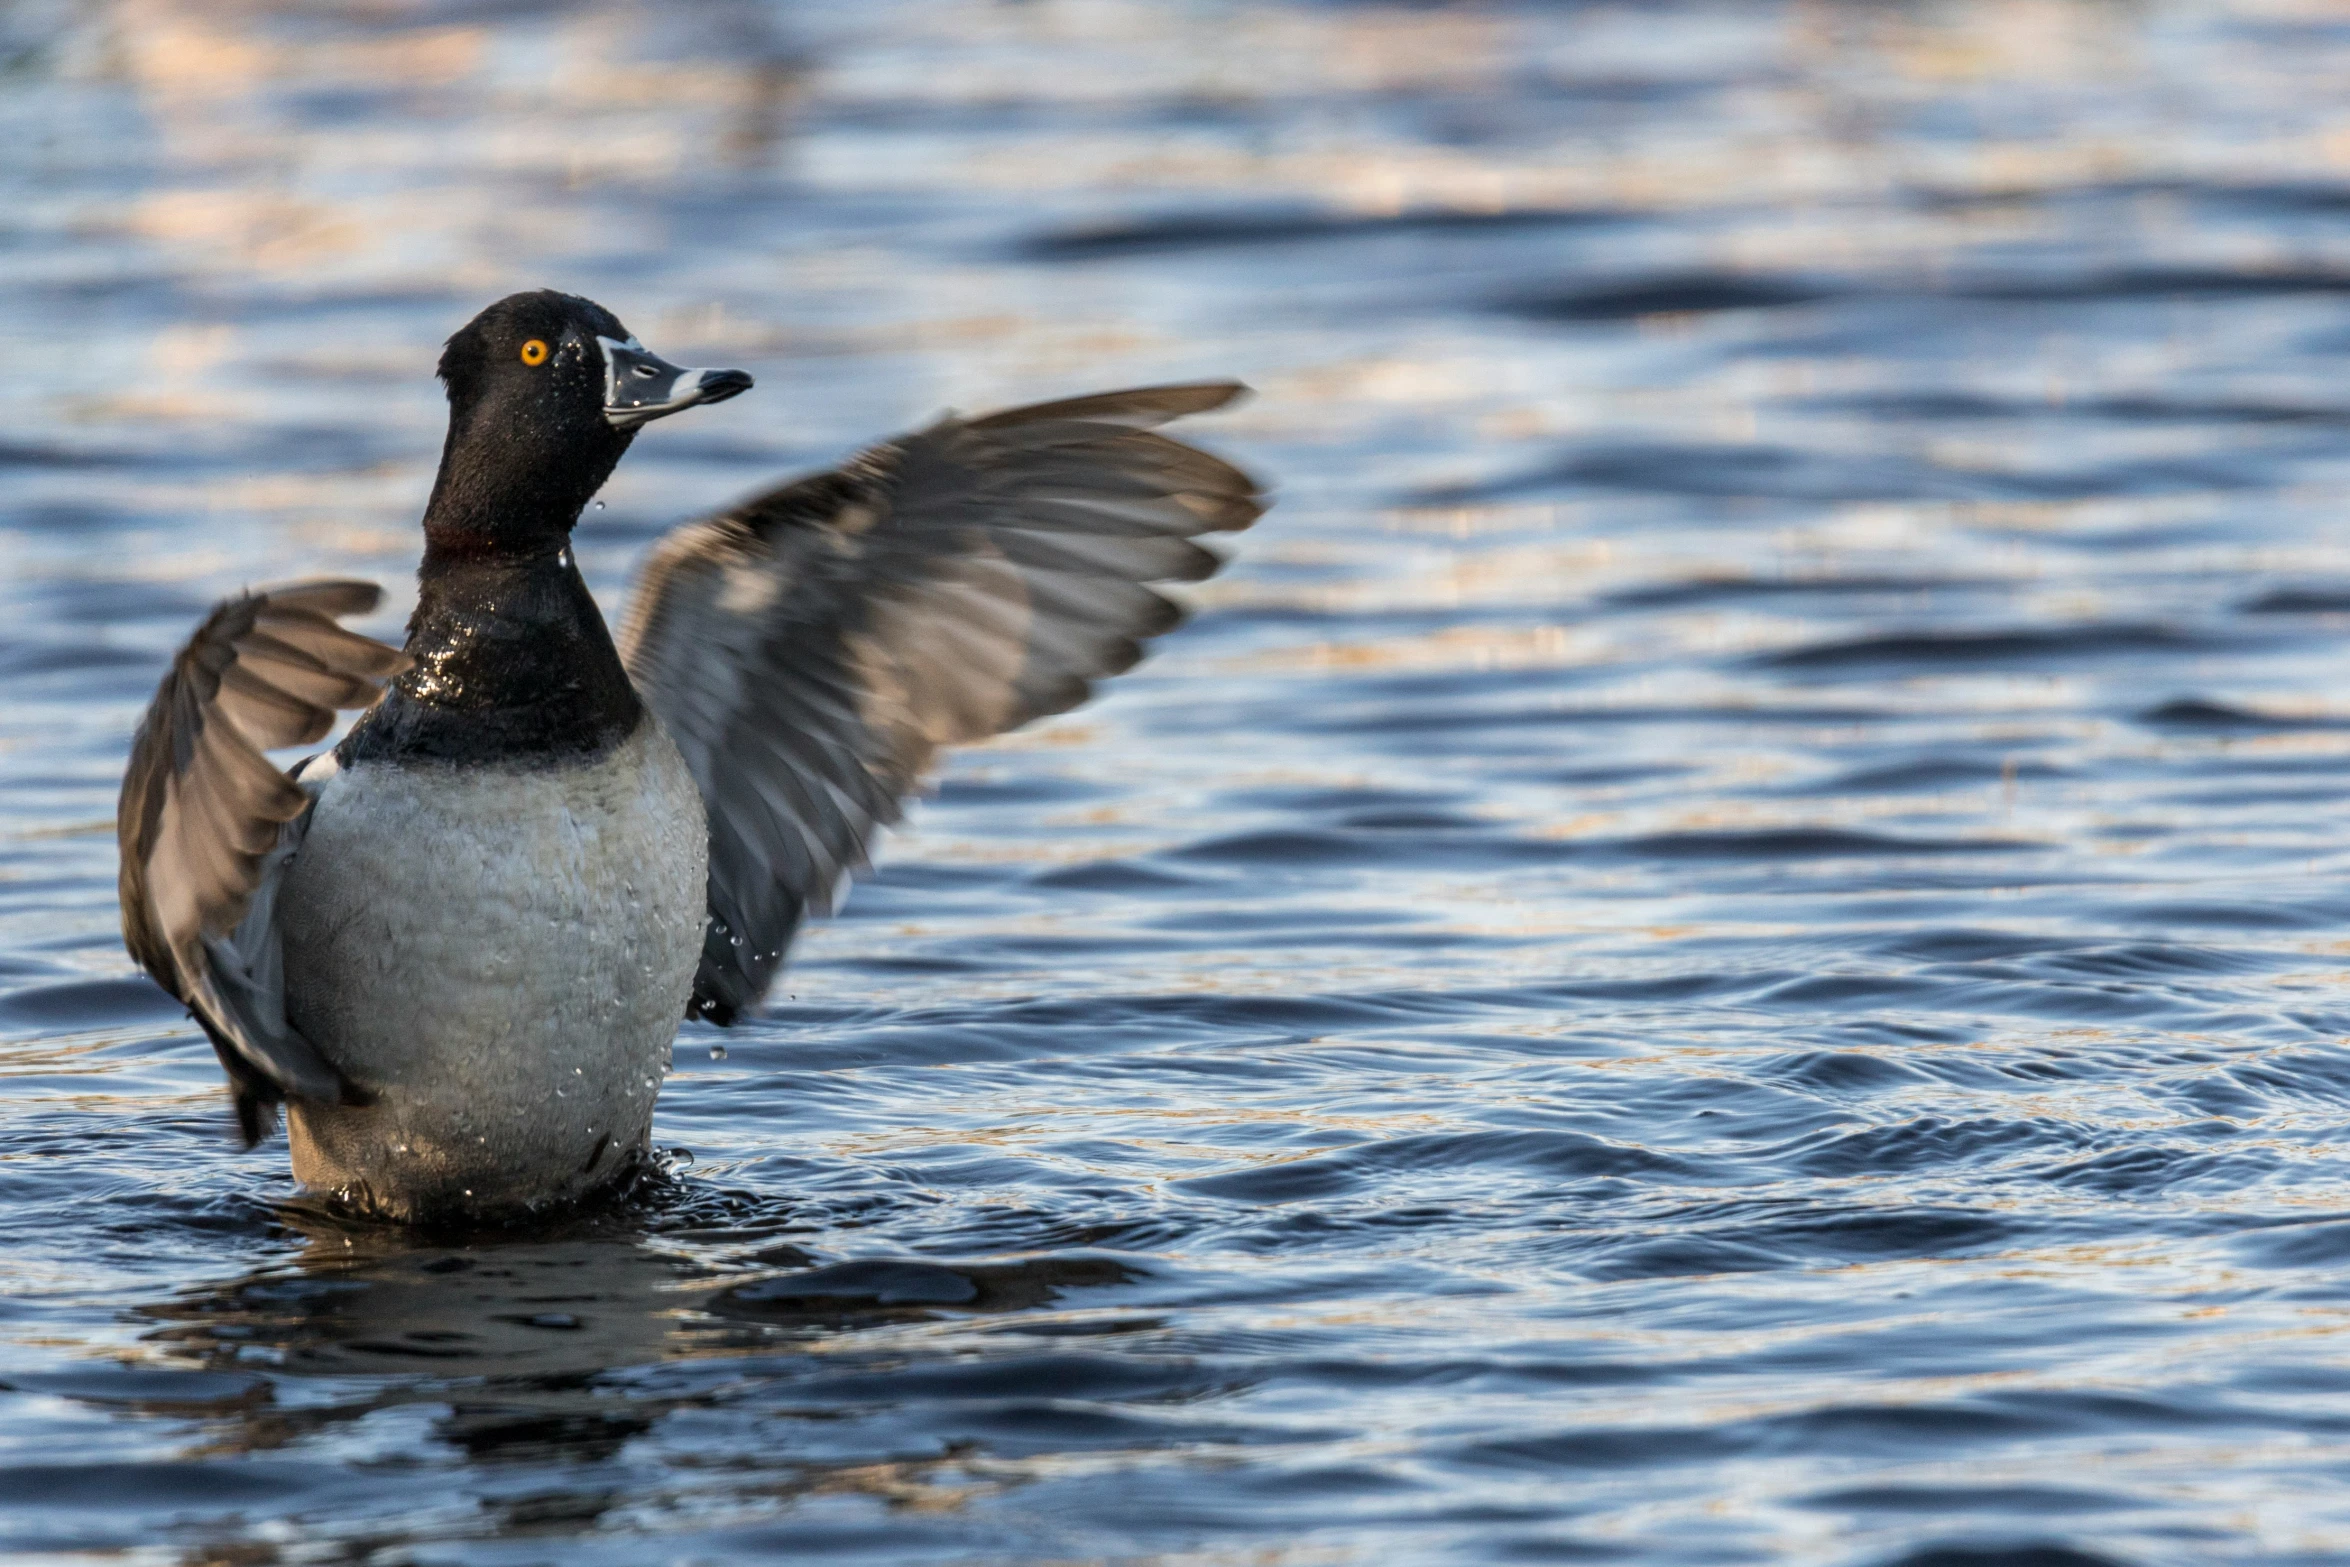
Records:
x=534, y=352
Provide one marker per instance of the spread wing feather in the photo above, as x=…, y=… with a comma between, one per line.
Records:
x=811, y=650
x=206, y=823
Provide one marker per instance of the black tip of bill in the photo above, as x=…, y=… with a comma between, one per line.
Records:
x=716, y=386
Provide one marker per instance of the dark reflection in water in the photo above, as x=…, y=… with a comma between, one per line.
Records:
x=507, y=1345
x=1725, y=942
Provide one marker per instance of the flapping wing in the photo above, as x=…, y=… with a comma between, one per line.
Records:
x=206, y=823
x=812, y=649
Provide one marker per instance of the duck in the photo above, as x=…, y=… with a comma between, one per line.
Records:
x=454, y=951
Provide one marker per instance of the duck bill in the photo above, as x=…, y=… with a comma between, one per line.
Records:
x=641, y=386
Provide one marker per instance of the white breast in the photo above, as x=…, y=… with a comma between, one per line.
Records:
x=503, y=956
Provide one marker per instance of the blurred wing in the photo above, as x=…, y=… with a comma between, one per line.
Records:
x=811, y=650
x=206, y=823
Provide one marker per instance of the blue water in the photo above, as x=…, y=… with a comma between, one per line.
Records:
x=1724, y=942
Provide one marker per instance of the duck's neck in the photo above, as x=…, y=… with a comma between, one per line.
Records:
x=514, y=484
x=513, y=665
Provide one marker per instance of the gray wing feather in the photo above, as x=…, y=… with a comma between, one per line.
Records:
x=206, y=824
x=811, y=650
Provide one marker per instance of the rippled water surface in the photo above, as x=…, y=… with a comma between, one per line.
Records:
x=1724, y=942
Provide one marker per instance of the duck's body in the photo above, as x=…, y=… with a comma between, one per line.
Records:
x=503, y=952
x=461, y=945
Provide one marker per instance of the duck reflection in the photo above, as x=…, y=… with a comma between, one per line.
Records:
x=361, y=1300
x=524, y=1342
x=512, y=1337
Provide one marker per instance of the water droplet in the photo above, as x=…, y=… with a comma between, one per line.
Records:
x=717, y=1052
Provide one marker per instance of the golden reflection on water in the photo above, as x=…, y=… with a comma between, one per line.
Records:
x=383, y=170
